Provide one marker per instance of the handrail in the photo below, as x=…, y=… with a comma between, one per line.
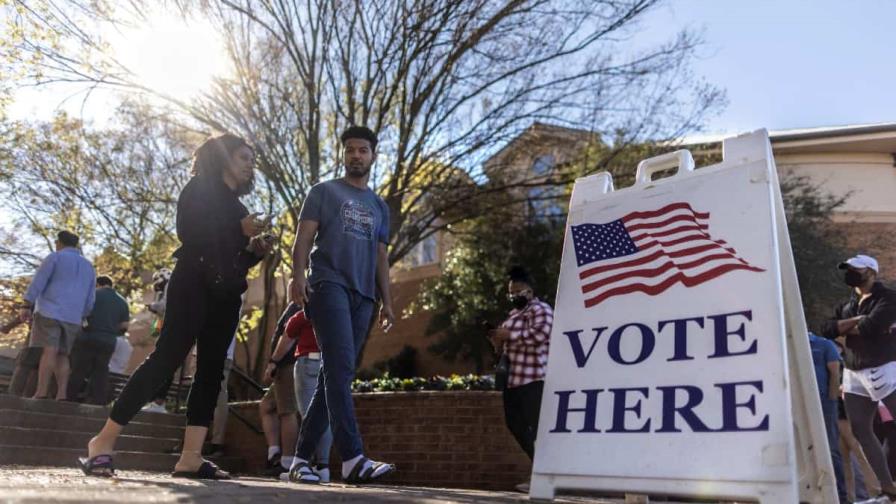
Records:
x=248, y=379
x=233, y=411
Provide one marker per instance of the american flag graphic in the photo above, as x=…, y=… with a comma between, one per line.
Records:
x=650, y=252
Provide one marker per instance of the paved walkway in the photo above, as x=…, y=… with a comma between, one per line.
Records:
x=20, y=484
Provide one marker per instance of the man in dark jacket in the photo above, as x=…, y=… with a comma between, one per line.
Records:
x=869, y=356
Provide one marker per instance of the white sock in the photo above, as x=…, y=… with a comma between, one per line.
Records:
x=272, y=451
x=306, y=474
x=348, y=465
x=286, y=462
x=296, y=461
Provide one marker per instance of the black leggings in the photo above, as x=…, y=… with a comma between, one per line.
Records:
x=522, y=406
x=193, y=313
x=861, y=412
x=161, y=394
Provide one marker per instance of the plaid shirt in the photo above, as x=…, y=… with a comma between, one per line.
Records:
x=527, y=348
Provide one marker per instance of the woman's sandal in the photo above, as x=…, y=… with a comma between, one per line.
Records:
x=207, y=471
x=100, y=466
x=306, y=476
x=362, y=476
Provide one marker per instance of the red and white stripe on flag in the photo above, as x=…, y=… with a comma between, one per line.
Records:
x=673, y=247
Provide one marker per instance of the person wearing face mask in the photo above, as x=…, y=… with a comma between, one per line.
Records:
x=524, y=338
x=869, y=356
x=220, y=241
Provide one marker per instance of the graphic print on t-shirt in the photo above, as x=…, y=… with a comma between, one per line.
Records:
x=357, y=220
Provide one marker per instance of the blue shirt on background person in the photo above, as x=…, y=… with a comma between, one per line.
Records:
x=63, y=288
x=823, y=352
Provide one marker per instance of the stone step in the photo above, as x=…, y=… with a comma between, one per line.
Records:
x=45, y=438
x=12, y=402
x=124, y=460
x=73, y=423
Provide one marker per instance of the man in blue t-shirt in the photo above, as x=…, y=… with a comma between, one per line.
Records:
x=348, y=226
x=826, y=360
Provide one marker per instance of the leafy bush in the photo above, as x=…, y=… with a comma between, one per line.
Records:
x=387, y=383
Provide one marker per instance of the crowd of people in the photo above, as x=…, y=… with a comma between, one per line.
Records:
x=78, y=323
x=340, y=274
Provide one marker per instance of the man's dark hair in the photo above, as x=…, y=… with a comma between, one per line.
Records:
x=104, y=281
x=210, y=158
x=519, y=274
x=362, y=132
x=67, y=238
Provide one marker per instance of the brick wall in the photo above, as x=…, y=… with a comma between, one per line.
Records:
x=443, y=439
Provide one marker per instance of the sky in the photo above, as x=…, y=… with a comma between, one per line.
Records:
x=784, y=64
x=791, y=63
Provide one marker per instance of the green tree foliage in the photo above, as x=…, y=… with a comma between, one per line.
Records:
x=472, y=290
x=818, y=246
x=116, y=188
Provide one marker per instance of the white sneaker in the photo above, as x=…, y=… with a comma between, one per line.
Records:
x=323, y=474
x=522, y=487
x=154, y=408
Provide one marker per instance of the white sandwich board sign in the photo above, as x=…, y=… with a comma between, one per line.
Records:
x=679, y=360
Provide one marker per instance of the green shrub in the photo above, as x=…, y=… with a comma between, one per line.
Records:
x=387, y=383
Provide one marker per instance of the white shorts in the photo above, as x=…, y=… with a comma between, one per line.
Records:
x=874, y=383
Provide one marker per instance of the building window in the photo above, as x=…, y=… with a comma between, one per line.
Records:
x=425, y=252
x=543, y=164
x=547, y=201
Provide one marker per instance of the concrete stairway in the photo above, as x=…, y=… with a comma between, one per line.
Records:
x=51, y=433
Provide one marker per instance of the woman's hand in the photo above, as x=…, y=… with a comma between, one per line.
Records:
x=252, y=225
x=498, y=337
x=261, y=245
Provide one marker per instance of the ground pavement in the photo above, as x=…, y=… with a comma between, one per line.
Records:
x=21, y=484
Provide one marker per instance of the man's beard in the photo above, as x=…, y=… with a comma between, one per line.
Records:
x=357, y=171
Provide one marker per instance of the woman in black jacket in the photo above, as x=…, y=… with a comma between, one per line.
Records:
x=220, y=241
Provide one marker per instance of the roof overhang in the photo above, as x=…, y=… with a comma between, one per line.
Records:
x=876, y=138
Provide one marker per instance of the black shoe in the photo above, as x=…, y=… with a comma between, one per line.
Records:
x=272, y=467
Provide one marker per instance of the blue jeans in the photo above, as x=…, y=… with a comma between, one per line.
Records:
x=340, y=318
x=829, y=411
x=306, y=373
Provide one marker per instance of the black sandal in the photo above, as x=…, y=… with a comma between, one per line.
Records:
x=361, y=476
x=296, y=475
x=207, y=471
x=100, y=466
